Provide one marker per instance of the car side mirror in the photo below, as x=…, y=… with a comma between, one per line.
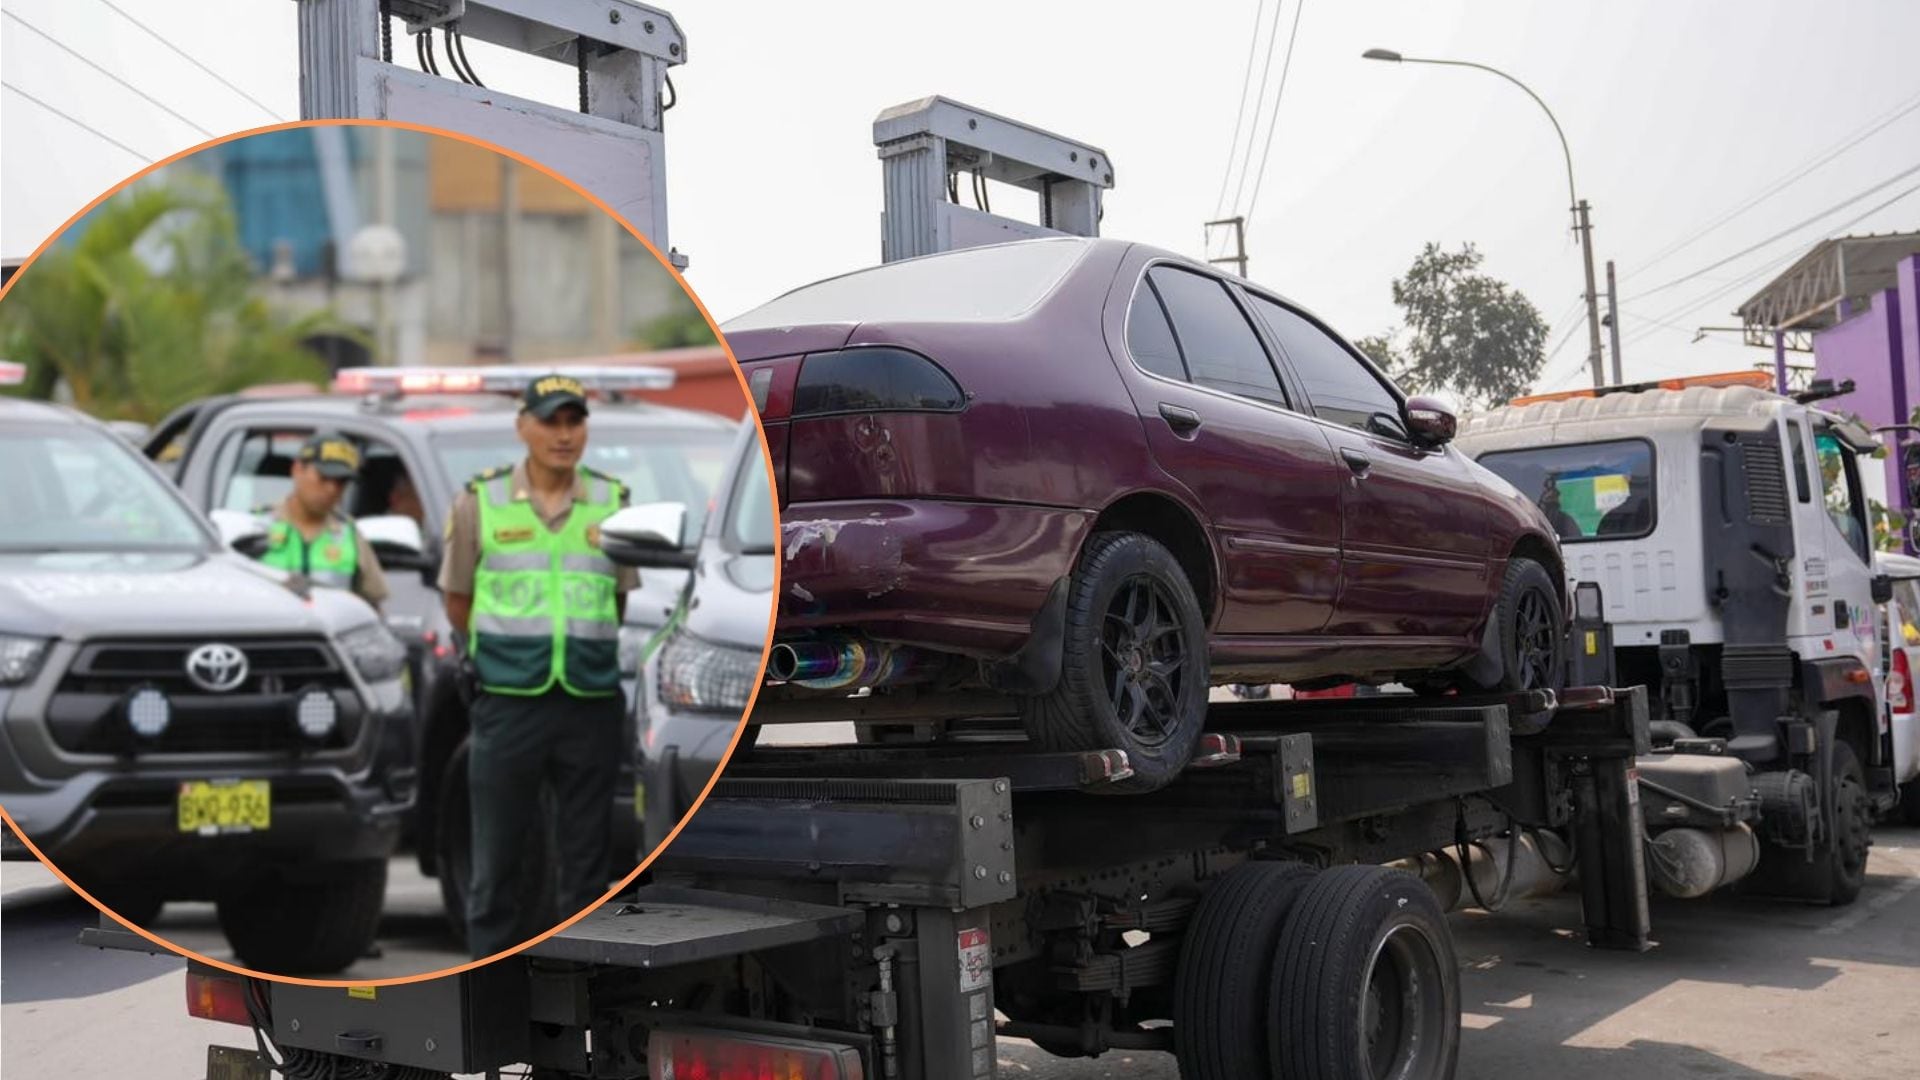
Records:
x=240, y=531
x=1882, y=588
x=1431, y=420
x=649, y=535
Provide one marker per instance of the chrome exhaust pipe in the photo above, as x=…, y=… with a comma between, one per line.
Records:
x=850, y=663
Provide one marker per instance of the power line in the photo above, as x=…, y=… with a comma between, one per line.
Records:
x=182, y=53
x=1273, y=120
x=1782, y=234
x=1266, y=69
x=1805, y=169
x=155, y=102
x=76, y=122
x=1240, y=111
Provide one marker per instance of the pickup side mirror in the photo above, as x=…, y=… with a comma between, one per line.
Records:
x=240, y=531
x=648, y=535
x=1431, y=420
x=1882, y=588
x=397, y=541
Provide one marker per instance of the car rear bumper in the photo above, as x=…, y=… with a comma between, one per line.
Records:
x=961, y=577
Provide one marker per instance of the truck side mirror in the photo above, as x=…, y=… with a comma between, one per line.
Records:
x=1882, y=588
x=1910, y=470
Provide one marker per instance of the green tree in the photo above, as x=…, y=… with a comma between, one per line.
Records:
x=1465, y=332
x=679, y=328
x=151, y=305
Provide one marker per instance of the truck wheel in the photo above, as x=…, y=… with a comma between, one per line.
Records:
x=1529, y=631
x=318, y=921
x=540, y=891
x=1366, y=984
x=1221, y=988
x=1838, y=869
x=1133, y=673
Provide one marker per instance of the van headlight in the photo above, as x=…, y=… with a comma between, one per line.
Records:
x=701, y=676
x=374, y=652
x=20, y=658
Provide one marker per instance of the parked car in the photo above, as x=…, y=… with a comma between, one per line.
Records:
x=1900, y=625
x=422, y=434
x=182, y=723
x=696, y=683
x=1099, y=477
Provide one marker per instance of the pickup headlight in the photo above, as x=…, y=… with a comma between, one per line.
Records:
x=700, y=676
x=20, y=658
x=374, y=652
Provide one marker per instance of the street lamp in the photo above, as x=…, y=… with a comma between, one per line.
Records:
x=1581, y=223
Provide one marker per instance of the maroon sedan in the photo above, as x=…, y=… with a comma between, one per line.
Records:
x=1100, y=478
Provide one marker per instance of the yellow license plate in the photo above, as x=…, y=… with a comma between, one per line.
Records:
x=213, y=807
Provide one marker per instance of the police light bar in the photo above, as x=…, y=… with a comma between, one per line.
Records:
x=12, y=374
x=1758, y=379
x=494, y=379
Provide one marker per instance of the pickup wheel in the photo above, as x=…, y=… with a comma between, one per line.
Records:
x=1221, y=988
x=1529, y=630
x=1133, y=673
x=1910, y=802
x=318, y=921
x=1366, y=984
x=540, y=891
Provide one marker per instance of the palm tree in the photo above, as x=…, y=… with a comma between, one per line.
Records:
x=152, y=305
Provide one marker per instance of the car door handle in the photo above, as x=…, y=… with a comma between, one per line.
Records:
x=1183, y=421
x=1357, y=461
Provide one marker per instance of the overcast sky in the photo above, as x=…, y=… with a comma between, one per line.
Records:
x=1676, y=114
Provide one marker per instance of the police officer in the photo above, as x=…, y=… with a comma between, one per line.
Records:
x=306, y=533
x=540, y=607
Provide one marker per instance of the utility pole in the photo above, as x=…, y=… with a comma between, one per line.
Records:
x=1239, y=256
x=1584, y=225
x=1613, y=322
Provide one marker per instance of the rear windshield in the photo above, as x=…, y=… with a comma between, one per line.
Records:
x=984, y=284
x=1589, y=491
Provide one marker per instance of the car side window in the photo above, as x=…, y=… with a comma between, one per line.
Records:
x=1150, y=335
x=260, y=471
x=1220, y=348
x=1343, y=389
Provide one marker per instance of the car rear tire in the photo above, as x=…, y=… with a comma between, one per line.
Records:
x=1133, y=672
x=1529, y=631
x=539, y=891
x=1221, y=988
x=1365, y=982
x=315, y=922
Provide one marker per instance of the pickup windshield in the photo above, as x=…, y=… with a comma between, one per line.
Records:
x=69, y=487
x=675, y=465
x=1589, y=491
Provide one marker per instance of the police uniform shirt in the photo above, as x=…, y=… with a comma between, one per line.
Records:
x=369, y=580
x=461, y=557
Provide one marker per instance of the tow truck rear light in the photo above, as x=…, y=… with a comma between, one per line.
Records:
x=12, y=374
x=1900, y=684
x=708, y=1054
x=1759, y=379
x=218, y=996
x=414, y=381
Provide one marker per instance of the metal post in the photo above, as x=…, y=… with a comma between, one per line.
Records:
x=1780, y=361
x=1239, y=256
x=1584, y=225
x=1613, y=322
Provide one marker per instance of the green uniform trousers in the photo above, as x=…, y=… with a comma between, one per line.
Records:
x=571, y=747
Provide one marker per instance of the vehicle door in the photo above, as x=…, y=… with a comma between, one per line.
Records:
x=1219, y=422
x=1414, y=544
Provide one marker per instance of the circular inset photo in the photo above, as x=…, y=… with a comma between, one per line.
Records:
x=374, y=498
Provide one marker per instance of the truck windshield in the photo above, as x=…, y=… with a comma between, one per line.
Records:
x=72, y=488
x=1589, y=491
x=670, y=465
x=1840, y=483
x=982, y=284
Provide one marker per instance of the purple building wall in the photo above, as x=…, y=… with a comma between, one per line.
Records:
x=1879, y=349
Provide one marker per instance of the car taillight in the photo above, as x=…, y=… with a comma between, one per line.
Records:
x=707, y=1054
x=218, y=996
x=1900, y=683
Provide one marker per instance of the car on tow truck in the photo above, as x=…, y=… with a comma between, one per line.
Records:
x=422, y=433
x=182, y=723
x=1098, y=478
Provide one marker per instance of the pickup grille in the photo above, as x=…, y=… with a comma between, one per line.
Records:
x=87, y=713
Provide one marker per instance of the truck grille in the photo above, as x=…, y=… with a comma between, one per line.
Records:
x=1766, y=483
x=87, y=712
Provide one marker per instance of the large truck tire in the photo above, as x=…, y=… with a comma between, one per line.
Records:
x=539, y=892
x=1837, y=869
x=1221, y=987
x=1366, y=984
x=1133, y=672
x=310, y=923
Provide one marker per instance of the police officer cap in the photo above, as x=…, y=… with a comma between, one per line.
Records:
x=332, y=454
x=547, y=394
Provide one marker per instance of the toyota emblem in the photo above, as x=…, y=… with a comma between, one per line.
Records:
x=217, y=667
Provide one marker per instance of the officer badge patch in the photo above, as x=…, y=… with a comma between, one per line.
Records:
x=512, y=536
x=593, y=535
x=331, y=553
